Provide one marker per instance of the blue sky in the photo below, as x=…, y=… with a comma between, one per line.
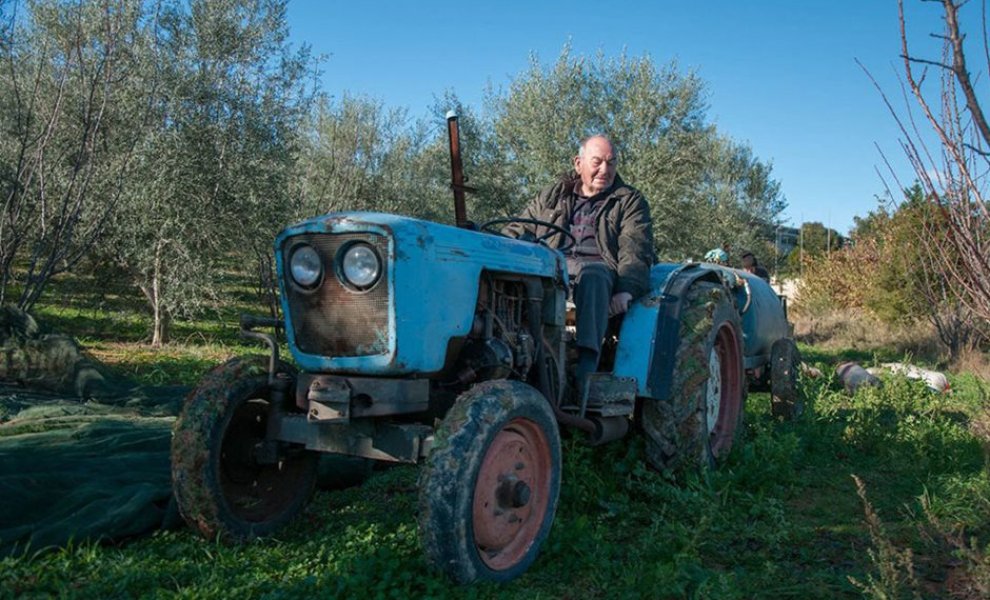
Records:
x=781, y=75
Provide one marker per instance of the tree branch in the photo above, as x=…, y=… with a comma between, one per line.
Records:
x=959, y=68
x=925, y=61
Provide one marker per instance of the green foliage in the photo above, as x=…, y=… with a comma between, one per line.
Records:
x=210, y=140
x=358, y=156
x=167, y=130
x=899, y=291
x=815, y=242
x=703, y=188
x=895, y=567
x=69, y=127
x=213, y=168
x=888, y=271
x=903, y=421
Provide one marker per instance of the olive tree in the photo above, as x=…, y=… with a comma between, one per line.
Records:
x=359, y=155
x=738, y=202
x=214, y=170
x=69, y=125
x=702, y=187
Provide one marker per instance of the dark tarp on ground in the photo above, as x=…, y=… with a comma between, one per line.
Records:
x=80, y=470
x=83, y=454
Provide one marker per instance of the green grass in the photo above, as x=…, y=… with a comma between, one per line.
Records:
x=780, y=519
x=111, y=320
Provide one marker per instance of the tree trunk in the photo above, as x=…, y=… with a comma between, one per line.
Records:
x=159, y=332
x=152, y=290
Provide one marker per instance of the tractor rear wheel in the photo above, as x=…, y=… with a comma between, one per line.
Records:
x=221, y=487
x=697, y=426
x=488, y=492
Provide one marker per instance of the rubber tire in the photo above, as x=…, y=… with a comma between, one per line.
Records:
x=209, y=498
x=448, y=482
x=785, y=397
x=677, y=431
x=761, y=383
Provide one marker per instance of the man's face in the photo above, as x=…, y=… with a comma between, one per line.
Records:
x=596, y=167
x=748, y=263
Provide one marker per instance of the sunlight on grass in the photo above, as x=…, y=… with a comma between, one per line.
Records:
x=781, y=518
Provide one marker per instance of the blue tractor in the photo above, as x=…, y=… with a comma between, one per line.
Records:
x=418, y=342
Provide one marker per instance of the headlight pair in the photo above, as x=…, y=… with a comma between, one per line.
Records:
x=358, y=266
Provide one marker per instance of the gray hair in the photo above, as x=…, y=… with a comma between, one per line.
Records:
x=584, y=142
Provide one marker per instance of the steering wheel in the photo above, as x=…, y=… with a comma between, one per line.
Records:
x=569, y=239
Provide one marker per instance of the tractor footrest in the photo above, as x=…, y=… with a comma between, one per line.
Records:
x=608, y=395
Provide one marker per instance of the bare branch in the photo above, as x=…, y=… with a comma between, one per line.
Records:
x=959, y=68
x=924, y=61
x=986, y=38
x=973, y=148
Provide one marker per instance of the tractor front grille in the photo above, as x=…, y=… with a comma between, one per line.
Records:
x=333, y=320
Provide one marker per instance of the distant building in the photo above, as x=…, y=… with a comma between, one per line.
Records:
x=787, y=239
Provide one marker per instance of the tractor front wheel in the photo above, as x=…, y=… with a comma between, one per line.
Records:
x=488, y=492
x=222, y=486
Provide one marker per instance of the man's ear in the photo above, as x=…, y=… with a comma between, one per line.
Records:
x=577, y=163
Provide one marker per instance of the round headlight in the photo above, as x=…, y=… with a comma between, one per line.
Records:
x=361, y=266
x=305, y=266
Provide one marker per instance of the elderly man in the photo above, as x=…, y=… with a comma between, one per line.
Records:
x=609, y=262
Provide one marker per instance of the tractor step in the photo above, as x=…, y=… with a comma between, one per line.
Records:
x=606, y=395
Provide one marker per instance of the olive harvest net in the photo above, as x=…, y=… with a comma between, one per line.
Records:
x=84, y=455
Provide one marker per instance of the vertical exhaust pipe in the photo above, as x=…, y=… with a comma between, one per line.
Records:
x=457, y=172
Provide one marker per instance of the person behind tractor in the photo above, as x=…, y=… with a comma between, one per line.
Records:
x=750, y=265
x=609, y=262
x=717, y=256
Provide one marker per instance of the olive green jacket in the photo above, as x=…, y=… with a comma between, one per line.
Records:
x=624, y=229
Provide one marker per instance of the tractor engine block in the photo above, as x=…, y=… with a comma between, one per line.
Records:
x=500, y=345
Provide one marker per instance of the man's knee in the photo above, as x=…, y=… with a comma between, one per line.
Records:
x=592, y=292
x=594, y=278
x=594, y=271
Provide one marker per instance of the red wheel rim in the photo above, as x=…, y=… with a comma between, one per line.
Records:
x=511, y=494
x=254, y=492
x=726, y=349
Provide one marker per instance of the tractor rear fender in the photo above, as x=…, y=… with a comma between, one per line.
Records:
x=650, y=330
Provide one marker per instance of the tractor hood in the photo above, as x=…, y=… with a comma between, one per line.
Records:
x=380, y=294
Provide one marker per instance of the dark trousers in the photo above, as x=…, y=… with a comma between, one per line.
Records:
x=591, y=291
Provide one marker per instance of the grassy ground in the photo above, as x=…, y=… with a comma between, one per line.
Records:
x=780, y=519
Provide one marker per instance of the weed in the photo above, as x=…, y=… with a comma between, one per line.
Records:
x=945, y=527
x=894, y=567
